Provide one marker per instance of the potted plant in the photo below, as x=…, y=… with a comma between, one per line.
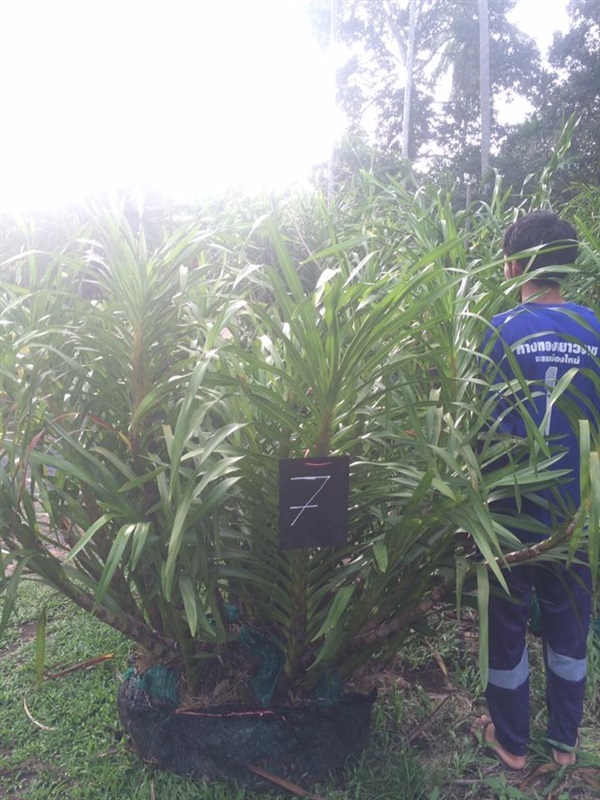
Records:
x=149, y=396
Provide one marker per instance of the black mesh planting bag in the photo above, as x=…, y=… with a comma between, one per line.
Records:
x=303, y=744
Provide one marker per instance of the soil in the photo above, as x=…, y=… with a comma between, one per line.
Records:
x=27, y=634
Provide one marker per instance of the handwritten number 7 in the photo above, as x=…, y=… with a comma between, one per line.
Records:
x=309, y=503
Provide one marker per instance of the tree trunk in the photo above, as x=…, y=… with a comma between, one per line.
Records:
x=484, y=86
x=410, y=60
x=333, y=24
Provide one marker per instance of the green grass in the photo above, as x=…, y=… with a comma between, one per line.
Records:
x=420, y=748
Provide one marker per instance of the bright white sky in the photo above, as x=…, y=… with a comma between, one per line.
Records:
x=185, y=95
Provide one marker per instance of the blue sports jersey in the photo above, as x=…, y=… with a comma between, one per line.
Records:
x=547, y=341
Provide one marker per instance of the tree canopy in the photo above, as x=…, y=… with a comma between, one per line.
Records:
x=570, y=88
x=442, y=73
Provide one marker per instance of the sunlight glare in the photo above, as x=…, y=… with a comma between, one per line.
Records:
x=185, y=97
x=541, y=19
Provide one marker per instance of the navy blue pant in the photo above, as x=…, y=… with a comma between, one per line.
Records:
x=565, y=606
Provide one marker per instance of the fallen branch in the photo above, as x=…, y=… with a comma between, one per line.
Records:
x=91, y=662
x=426, y=722
x=288, y=785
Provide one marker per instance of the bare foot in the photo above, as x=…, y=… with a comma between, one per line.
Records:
x=484, y=727
x=564, y=758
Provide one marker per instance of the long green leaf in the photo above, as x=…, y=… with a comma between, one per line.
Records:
x=114, y=561
x=40, y=647
x=336, y=610
x=190, y=603
x=483, y=595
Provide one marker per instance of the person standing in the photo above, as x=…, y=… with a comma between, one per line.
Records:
x=546, y=337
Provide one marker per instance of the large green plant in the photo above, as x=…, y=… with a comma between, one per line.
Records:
x=107, y=455
x=149, y=393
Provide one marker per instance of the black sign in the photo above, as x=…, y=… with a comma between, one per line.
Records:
x=313, y=502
